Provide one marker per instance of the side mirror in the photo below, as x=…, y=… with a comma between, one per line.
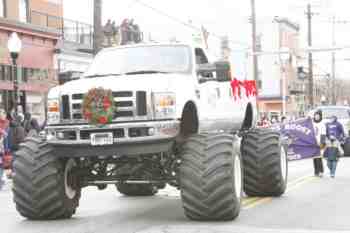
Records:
x=223, y=71
x=205, y=72
x=220, y=68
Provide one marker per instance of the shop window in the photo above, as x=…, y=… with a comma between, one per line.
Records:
x=25, y=74
x=23, y=11
x=7, y=72
x=2, y=8
x=2, y=76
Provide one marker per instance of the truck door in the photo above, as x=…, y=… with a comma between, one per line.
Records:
x=207, y=89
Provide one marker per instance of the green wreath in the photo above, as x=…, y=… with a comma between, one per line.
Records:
x=98, y=106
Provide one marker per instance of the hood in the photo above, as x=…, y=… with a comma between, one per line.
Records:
x=144, y=82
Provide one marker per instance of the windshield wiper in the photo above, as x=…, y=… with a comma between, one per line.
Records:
x=100, y=75
x=146, y=72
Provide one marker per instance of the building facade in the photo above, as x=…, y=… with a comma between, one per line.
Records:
x=276, y=73
x=52, y=47
x=36, y=71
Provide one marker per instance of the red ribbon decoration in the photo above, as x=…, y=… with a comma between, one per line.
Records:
x=236, y=88
x=248, y=85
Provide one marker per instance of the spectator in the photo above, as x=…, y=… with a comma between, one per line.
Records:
x=135, y=32
x=264, y=122
x=320, y=133
x=283, y=120
x=332, y=153
x=124, y=27
x=334, y=128
x=4, y=124
x=108, y=32
x=16, y=135
x=114, y=32
x=31, y=125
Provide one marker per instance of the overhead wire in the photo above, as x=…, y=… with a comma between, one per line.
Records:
x=187, y=24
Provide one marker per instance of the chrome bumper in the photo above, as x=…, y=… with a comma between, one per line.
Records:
x=155, y=131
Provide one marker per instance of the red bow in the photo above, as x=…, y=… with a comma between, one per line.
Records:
x=248, y=85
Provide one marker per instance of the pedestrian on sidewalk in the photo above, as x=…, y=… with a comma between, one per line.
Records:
x=320, y=133
x=332, y=154
x=4, y=125
x=16, y=136
x=31, y=125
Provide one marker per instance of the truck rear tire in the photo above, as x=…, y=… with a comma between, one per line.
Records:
x=40, y=183
x=211, y=177
x=265, y=163
x=137, y=189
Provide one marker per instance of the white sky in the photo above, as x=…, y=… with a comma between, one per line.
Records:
x=227, y=17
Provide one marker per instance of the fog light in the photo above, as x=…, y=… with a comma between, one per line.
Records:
x=151, y=131
x=60, y=135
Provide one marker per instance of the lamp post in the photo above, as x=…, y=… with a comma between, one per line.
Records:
x=14, y=45
x=284, y=56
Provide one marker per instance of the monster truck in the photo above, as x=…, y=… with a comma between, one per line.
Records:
x=178, y=120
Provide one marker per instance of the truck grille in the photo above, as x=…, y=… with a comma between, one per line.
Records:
x=128, y=105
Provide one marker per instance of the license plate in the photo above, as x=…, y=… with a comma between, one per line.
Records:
x=100, y=139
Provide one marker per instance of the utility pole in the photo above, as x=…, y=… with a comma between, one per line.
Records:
x=98, y=32
x=311, y=78
x=334, y=101
x=254, y=46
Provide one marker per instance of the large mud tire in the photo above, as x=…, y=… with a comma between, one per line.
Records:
x=211, y=177
x=39, y=184
x=137, y=189
x=265, y=163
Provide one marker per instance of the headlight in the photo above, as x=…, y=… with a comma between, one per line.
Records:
x=53, y=111
x=164, y=105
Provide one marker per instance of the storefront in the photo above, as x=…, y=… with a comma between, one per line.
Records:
x=36, y=69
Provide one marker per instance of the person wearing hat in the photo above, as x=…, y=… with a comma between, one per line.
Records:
x=320, y=133
x=335, y=128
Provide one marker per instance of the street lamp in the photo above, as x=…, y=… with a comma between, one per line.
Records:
x=14, y=45
x=284, y=56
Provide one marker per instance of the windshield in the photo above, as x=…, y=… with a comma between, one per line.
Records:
x=148, y=59
x=341, y=113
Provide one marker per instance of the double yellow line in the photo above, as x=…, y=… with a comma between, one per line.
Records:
x=251, y=202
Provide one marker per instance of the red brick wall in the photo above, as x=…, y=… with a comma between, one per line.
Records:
x=37, y=52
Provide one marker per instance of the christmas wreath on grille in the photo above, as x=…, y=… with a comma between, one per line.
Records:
x=98, y=106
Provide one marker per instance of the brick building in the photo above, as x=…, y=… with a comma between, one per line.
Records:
x=274, y=76
x=36, y=63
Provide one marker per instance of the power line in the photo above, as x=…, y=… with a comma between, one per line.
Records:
x=185, y=23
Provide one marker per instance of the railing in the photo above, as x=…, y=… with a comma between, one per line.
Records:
x=72, y=31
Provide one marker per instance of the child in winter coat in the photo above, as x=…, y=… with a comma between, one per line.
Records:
x=332, y=154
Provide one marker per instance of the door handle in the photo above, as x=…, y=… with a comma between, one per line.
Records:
x=198, y=93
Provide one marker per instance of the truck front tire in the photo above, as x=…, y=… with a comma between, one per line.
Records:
x=40, y=183
x=211, y=177
x=265, y=163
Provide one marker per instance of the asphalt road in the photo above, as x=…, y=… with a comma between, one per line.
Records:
x=309, y=205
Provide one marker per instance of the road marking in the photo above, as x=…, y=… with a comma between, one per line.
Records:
x=255, y=201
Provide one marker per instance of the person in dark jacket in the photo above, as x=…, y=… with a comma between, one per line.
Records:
x=31, y=124
x=336, y=129
x=332, y=154
x=16, y=135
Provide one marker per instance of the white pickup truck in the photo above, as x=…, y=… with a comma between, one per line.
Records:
x=177, y=119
